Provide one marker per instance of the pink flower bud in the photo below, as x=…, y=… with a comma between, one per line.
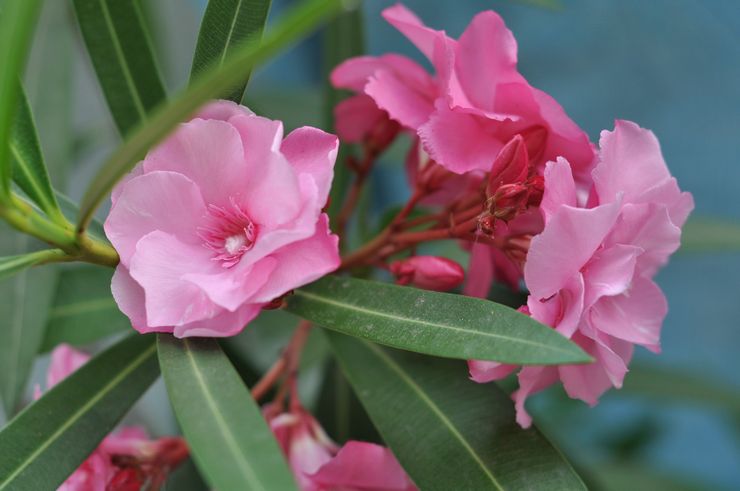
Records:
x=535, y=139
x=511, y=165
x=428, y=272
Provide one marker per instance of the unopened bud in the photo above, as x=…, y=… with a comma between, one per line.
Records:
x=428, y=272
x=511, y=166
x=382, y=135
x=509, y=201
x=535, y=139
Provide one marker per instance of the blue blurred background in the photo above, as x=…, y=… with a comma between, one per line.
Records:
x=669, y=65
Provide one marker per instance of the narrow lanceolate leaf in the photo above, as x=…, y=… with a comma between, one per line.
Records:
x=447, y=431
x=343, y=38
x=17, y=18
x=226, y=24
x=29, y=170
x=83, y=310
x=25, y=300
x=704, y=234
x=10, y=265
x=47, y=441
x=71, y=210
x=228, y=437
x=121, y=53
x=439, y=324
x=295, y=25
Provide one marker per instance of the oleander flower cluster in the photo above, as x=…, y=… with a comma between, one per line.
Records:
x=227, y=216
x=583, y=229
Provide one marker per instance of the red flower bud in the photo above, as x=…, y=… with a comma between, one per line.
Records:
x=509, y=201
x=535, y=139
x=428, y=272
x=382, y=135
x=511, y=166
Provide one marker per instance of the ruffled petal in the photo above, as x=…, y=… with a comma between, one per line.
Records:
x=160, y=200
x=209, y=153
x=302, y=262
x=313, y=152
x=158, y=266
x=566, y=244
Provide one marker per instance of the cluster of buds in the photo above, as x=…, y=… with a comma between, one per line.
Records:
x=513, y=184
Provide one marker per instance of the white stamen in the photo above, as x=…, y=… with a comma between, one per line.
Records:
x=234, y=243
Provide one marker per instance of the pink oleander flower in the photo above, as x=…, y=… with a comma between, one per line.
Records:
x=124, y=460
x=590, y=272
x=318, y=464
x=428, y=272
x=221, y=218
x=471, y=108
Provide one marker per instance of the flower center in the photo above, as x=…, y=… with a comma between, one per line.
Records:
x=229, y=233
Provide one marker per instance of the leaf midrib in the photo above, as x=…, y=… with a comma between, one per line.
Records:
x=122, y=60
x=231, y=33
x=385, y=358
x=70, y=309
x=350, y=306
x=115, y=381
x=245, y=466
x=47, y=203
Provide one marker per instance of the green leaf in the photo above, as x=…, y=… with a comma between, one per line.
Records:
x=439, y=324
x=343, y=38
x=703, y=234
x=47, y=441
x=121, y=53
x=225, y=25
x=83, y=310
x=295, y=25
x=29, y=170
x=25, y=300
x=71, y=210
x=447, y=431
x=10, y=265
x=228, y=437
x=17, y=18
x=678, y=386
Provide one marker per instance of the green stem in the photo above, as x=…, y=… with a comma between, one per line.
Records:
x=21, y=216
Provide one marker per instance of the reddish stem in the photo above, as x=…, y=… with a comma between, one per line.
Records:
x=287, y=363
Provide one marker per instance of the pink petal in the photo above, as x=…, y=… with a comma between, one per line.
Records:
x=588, y=382
x=129, y=296
x=486, y=57
x=649, y=227
x=610, y=272
x=65, y=360
x=562, y=311
x=428, y=41
x=356, y=117
x=458, y=141
x=531, y=381
x=567, y=243
x=480, y=271
x=635, y=316
x=158, y=266
x=269, y=173
x=363, y=466
x=222, y=110
x=560, y=188
x=631, y=163
x=488, y=371
x=313, y=152
x=565, y=139
x=159, y=200
x=230, y=288
x=209, y=153
x=406, y=104
x=222, y=324
x=302, y=262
